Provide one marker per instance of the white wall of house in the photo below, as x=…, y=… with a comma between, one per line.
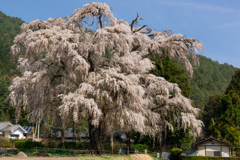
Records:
x=201, y=150
x=225, y=151
x=19, y=132
x=210, y=147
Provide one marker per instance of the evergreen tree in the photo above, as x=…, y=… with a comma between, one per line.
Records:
x=164, y=67
x=224, y=125
x=9, y=28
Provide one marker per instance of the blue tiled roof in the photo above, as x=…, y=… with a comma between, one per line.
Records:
x=28, y=128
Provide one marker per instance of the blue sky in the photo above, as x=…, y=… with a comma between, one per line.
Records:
x=214, y=22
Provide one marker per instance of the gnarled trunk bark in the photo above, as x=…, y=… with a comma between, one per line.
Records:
x=63, y=137
x=97, y=138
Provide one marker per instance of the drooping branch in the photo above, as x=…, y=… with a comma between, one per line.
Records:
x=158, y=107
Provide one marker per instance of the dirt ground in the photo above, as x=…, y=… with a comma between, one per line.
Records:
x=132, y=157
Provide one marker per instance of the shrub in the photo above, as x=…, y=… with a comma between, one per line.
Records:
x=70, y=145
x=27, y=144
x=51, y=144
x=237, y=149
x=140, y=147
x=4, y=142
x=175, y=150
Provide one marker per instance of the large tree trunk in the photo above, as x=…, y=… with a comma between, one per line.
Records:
x=74, y=132
x=63, y=137
x=97, y=138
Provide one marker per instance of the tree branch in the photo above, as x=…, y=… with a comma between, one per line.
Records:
x=135, y=21
x=100, y=21
x=136, y=30
x=89, y=24
x=158, y=107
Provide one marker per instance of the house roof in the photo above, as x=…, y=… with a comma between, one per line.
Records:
x=13, y=127
x=209, y=140
x=4, y=125
x=29, y=129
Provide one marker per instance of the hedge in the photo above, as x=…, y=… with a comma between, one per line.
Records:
x=237, y=149
x=27, y=144
x=71, y=145
x=207, y=158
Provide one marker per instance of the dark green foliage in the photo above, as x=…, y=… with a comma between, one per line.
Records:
x=140, y=147
x=179, y=138
x=237, y=150
x=52, y=145
x=4, y=84
x=71, y=145
x=234, y=84
x=27, y=144
x=172, y=73
x=9, y=28
x=210, y=110
x=22, y=119
x=208, y=79
x=207, y=158
x=167, y=69
x=224, y=111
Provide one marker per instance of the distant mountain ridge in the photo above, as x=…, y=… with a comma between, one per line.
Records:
x=208, y=79
x=9, y=28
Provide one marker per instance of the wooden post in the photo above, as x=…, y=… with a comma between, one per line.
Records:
x=145, y=151
x=158, y=155
x=128, y=150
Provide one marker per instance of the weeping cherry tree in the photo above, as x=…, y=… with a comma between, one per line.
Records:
x=65, y=71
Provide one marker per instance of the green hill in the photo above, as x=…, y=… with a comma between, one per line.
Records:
x=9, y=28
x=208, y=79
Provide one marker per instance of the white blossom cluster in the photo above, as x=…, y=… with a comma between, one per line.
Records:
x=64, y=65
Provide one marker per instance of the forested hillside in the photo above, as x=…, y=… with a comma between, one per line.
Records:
x=208, y=79
x=9, y=28
x=221, y=115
